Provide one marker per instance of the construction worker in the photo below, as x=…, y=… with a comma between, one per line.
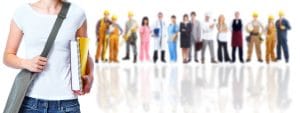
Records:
x=130, y=36
x=255, y=29
x=114, y=32
x=282, y=25
x=270, y=40
x=102, y=36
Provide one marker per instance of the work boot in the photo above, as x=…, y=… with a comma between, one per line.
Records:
x=134, y=59
x=126, y=57
x=163, y=57
x=155, y=56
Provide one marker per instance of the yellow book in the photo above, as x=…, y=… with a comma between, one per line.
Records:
x=79, y=54
x=84, y=49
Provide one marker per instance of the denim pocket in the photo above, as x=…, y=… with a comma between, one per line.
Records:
x=29, y=104
x=27, y=110
x=71, y=107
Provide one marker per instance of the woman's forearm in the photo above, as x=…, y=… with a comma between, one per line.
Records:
x=90, y=66
x=13, y=61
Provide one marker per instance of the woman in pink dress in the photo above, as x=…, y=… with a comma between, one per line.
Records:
x=145, y=32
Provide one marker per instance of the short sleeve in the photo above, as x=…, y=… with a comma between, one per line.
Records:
x=82, y=19
x=80, y=13
x=18, y=15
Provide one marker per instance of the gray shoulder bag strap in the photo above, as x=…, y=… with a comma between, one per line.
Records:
x=25, y=78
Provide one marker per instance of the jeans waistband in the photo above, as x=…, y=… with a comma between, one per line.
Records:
x=50, y=104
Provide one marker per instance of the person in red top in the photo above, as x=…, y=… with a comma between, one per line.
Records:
x=237, y=37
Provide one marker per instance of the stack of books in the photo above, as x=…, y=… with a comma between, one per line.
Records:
x=79, y=55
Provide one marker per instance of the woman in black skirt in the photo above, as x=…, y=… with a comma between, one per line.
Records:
x=185, y=37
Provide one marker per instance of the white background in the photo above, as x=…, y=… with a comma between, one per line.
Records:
x=94, y=10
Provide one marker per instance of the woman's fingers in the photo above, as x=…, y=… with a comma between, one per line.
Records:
x=78, y=93
x=38, y=64
x=43, y=59
x=37, y=68
x=87, y=80
x=42, y=63
x=40, y=67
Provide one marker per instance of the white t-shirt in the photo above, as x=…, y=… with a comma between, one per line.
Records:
x=54, y=82
x=207, y=32
x=222, y=36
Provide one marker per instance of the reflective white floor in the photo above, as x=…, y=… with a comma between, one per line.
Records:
x=176, y=88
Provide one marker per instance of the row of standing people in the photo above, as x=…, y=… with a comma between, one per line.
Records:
x=194, y=37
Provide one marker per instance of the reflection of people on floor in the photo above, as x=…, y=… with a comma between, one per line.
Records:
x=283, y=101
x=145, y=90
x=131, y=88
x=223, y=90
x=210, y=92
x=173, y=89
x=211, y=82
x=272, y=87
x=255, y=88
x=103, y=88
x=200, y=80
x=159, y=89
x=114, y=86
x=187, y=100
x=238, y=88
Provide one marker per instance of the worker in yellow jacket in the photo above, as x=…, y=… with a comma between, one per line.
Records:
x=114, y=32
x=102, y=36
x=270, y=40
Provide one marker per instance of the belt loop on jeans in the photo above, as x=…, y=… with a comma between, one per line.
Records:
x=34, y=103
x=59, y=106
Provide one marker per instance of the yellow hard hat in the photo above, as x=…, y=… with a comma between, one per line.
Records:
x=281, y=13
x=130, y=13
x=114, y=17
x=255, y=14
x=271, y=17
x=106, y=12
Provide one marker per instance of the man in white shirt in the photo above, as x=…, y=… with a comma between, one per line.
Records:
x=208, y=38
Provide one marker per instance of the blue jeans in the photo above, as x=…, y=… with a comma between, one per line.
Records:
x=32, y=105
x=172, y=50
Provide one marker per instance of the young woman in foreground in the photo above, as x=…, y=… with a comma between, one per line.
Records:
x=51, y=91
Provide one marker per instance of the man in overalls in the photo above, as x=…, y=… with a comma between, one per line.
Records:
x=102, y=36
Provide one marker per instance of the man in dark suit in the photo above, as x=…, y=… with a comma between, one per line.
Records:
x=282, y=26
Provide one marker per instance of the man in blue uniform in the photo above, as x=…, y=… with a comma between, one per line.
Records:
x=282, y=26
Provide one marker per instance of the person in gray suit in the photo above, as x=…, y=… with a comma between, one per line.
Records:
x=195, y=36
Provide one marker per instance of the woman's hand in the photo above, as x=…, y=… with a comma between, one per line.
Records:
x=87, y=81
x=37, y=64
